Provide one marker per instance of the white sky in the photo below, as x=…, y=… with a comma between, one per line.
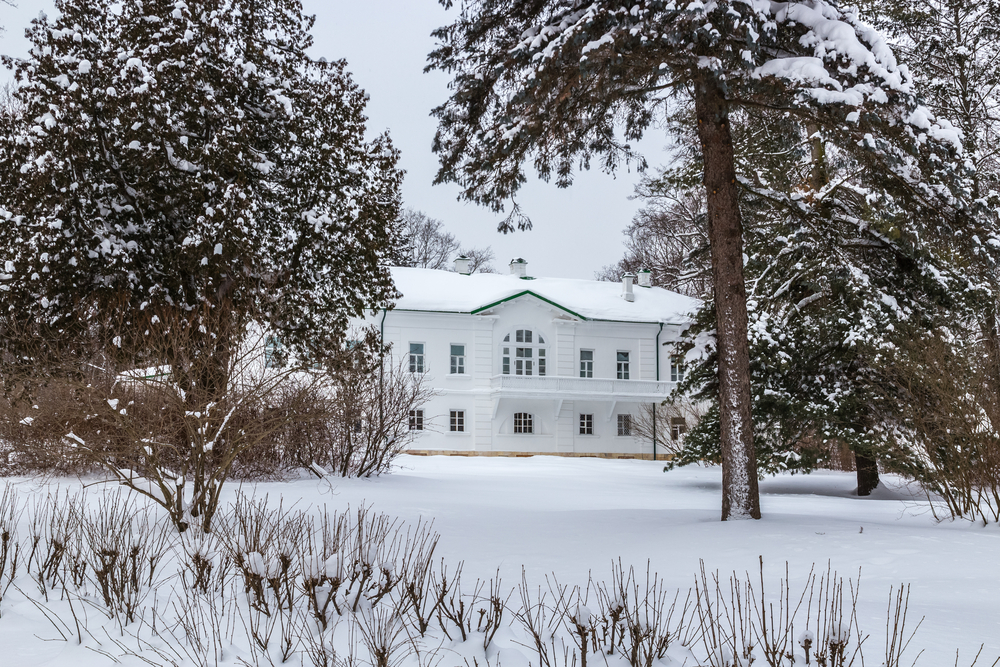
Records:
x=385, y=42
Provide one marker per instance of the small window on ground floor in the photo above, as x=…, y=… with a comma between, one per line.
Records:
x=624, y=424
x=586, y=424
x=678, y=427
x=416, y=420
x=457, y=421
x=523, y=422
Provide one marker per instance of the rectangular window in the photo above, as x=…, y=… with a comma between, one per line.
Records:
x=273, y=353
x=506, y=361
x=541, y=361
x=522, y=360
x=416, y=420
x=523, y=336
x=623, y=366
x=457, y=421
x=416, y=357
x=586, y=424
x=586, y=363
x=523, y=423
x=677, y=368
x=624, y=424
x=458, y=360
x=678, y=427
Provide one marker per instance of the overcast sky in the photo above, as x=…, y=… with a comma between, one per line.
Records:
x=385, y=42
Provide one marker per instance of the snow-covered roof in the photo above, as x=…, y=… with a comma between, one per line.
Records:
x=445, y=291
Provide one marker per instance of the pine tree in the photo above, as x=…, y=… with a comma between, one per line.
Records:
x=186, y=164
x=560, y=83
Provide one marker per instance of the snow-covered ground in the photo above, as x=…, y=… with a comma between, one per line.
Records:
x=573, y=517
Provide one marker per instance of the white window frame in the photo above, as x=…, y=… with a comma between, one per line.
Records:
x=624, y=425
x=456, y=421
x=677, y=368
x=416, y=422
x=586, y=424
x=417, y=359
x=529, y=356
x=587, y=365
x=678, y=427
x=524, y=423
x=622, y=366
x=457, y=365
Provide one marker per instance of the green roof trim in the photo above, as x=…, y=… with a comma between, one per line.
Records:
x=537, y=296
x=527, y=293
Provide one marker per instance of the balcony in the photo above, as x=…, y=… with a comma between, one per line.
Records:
x=571, y=388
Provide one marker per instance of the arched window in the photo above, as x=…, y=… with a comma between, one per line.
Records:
x=525, y=355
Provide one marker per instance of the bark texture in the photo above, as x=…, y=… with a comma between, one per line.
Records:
x=867, y=467
x=740, y=496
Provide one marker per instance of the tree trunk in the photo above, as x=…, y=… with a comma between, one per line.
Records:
x=867, y=467
x=740, y=497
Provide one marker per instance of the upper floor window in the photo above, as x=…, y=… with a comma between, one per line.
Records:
x=416, y=357
x=416, y=420
x=523, y=422
x=457, y=359
x=677, y=368
x=586, y=363
x=529, y=354
x=623, y=363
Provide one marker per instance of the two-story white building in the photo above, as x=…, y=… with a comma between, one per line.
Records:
x=534, y=365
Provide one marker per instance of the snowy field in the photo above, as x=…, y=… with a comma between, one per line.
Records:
x=574, y=517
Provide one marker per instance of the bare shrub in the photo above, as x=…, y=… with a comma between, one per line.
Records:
x=10, y=546
x=125, y=546
x=739, y=623
x=171, y=432
x=943, y=428
x=203, y=569
x=368, y=402
x=262, y=544
x=55, y=547
x=645, y=615
x=666, y=423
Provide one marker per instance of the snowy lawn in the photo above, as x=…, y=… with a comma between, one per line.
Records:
x=573, y=517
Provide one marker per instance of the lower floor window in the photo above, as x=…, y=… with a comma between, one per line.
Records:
x=624, y=424
x=523, y=423
x=458, y=421
x=416, y=420
x=678, y=427
x=586, y=424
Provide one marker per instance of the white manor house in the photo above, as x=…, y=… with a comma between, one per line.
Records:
x=524, y=365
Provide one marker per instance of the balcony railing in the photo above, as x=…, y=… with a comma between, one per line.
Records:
x=566, y=387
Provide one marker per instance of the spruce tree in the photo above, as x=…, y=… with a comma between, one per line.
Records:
x=560, y=83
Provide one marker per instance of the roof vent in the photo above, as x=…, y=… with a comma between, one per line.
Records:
x=462, y=265
x=627, y=286
x=519, y=267
x=645, y=278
